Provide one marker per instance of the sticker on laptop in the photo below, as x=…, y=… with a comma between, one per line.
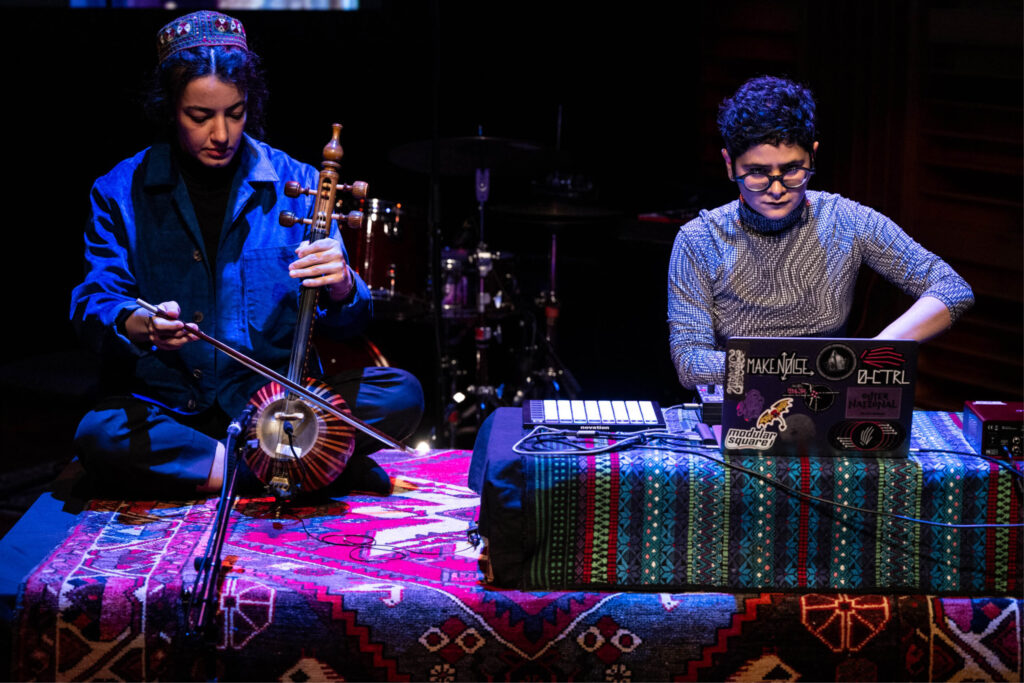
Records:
x=836, y=362
x=760, y=437
x=866, y=435
x=734, y=378
x=817, y=397
x=883, y=357
x=881, y=403
x=882, y=366
x=783, y=366
x=751, y=406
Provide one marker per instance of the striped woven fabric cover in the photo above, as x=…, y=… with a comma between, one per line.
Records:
x=656, y=519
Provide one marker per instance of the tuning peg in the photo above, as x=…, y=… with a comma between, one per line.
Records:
x=360, y=189
x=353, y=219
x=288, y=219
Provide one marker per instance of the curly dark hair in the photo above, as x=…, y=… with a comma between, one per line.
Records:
x=241, y=68
x=767, y=110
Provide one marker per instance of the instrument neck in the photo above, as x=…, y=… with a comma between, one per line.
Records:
x=303, y=335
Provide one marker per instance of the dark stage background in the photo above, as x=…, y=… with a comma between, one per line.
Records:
x=920, y=117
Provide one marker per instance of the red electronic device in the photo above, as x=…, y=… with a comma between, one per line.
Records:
x=995, y=428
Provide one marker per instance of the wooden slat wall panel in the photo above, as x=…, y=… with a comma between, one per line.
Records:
x=966, y=144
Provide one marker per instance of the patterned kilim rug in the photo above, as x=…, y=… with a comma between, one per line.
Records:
x=389, y=588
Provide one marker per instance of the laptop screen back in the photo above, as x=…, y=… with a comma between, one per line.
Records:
x=818, y=396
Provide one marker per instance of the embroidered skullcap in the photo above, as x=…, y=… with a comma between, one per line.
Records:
x=199, y=29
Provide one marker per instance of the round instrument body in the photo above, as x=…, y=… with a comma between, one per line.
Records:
x=299, y=443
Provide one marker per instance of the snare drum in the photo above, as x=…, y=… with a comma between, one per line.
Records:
x=477, y=283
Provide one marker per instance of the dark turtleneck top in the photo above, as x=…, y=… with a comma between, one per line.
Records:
x=209, y=189
x=769, y=226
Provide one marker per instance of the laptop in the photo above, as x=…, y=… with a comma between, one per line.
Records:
x=818, y=396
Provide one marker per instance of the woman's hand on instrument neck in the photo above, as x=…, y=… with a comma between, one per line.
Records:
x=322, y=264
x=171, y=334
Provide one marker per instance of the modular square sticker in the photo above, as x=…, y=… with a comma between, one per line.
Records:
x=760, y=437
x=873, y=402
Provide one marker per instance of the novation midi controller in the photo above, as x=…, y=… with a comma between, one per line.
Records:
x=605, y=415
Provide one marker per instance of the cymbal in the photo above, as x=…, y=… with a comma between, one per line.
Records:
x=553, y=210
x=462, y=156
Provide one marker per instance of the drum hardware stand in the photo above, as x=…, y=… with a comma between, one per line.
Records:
x=479, y=398
x=553, y=380
x=450, y=417
x=549, y=299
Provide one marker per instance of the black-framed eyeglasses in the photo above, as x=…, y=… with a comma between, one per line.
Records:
x=793, y=178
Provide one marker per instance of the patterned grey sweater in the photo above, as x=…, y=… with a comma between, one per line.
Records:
x=726, y=280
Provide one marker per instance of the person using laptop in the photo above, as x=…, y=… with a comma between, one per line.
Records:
x=782, y=260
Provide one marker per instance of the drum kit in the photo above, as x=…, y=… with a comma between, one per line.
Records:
x=496, y=342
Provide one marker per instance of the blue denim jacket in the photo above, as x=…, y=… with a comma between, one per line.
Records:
x=143, y=241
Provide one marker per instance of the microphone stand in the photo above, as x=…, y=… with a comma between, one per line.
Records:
x=202, y=601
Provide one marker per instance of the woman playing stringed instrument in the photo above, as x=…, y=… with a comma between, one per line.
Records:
x=191, y=224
